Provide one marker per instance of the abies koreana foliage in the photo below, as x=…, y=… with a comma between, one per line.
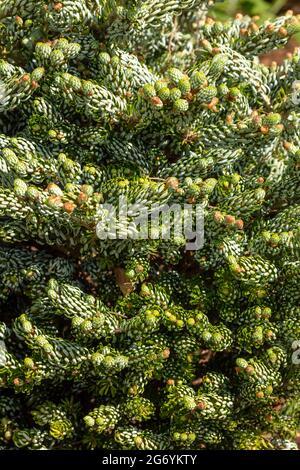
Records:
x=140, y=344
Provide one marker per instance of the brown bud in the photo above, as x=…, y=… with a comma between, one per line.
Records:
x=243, y=32
x=139, y=268
x=58, y=6
x=216, y=50
x=19, y=20
x=270, y=28
x=69, y=207
x=218, y=216
x=260, y=179
x=166, y=353
x=269, y=334
x=212, y=104
x=55, y=201
x=82, y=197
x=239, y=16
x=229, y=119
x=256, y=118
x=34, y=84
x=191, y=200
x=254, y=27
x=239, y=224
x=156, y=101
x=201, y=405
x=205, y=43
x=209, y=20
x=249, y=370
x=229, y=219
x=170, y=382
x=260, y=395
x=189, y=96
x=25, y=78
x=264, y=130
x=172, y=182
x=282, y=32
x=51, y=186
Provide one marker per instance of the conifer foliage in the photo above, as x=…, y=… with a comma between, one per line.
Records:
x=140, y=344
